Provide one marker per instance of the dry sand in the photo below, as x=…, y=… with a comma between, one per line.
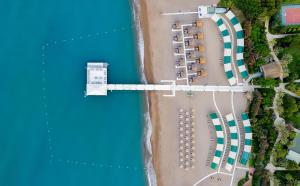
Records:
x=159, y=65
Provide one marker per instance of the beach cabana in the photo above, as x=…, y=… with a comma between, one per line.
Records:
x=199, y=36
x=177, y=38
x=200, y=60
x=180, y=62
x=233, y=142
x=240, y=44
x=220, y=140
x=176, y=25
x=200, y=48
x=179, y=50
x=190, y=43
x=198, y=24
x=191, y=55
x=202, y=73
x=248, y=139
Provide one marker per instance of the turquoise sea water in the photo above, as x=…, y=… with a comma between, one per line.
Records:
x=49, y=133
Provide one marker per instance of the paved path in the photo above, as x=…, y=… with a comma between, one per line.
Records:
x=270, y=167
x=282, y=88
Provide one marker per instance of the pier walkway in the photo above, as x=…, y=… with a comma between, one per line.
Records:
x=174, y=87
x=97, y=84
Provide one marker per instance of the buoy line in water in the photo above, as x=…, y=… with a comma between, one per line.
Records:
x=87, y=36
x=96, y=164
x=52, y=156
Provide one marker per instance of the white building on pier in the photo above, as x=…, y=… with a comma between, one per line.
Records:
x=96, y=80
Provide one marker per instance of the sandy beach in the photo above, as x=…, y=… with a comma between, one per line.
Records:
x=159, y=65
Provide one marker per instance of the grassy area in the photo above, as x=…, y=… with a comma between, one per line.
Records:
x=287, y=178
x=267, y=83
x=287, y=136
x=290, y=46
x=294, y=87
x=291, y=112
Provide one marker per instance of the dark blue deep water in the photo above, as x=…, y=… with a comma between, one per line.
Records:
x=50, y=135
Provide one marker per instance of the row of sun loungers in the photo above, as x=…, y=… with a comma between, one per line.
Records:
x=186, y=138
x=227, y=48
x=220, y=140
x=248, y=139
x=240, y=44
x=233, y=136
x=233, y=142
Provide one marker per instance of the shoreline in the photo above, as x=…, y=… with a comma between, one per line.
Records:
x=141, y=26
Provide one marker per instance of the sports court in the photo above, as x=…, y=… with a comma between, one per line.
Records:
x=290, y=15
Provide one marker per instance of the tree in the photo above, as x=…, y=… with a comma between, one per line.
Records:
x=251, y=8
x=285, y=61
x=290, y=180
x=292, y=165
x=267, y=83
x=294, y=87
x=290, y=106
